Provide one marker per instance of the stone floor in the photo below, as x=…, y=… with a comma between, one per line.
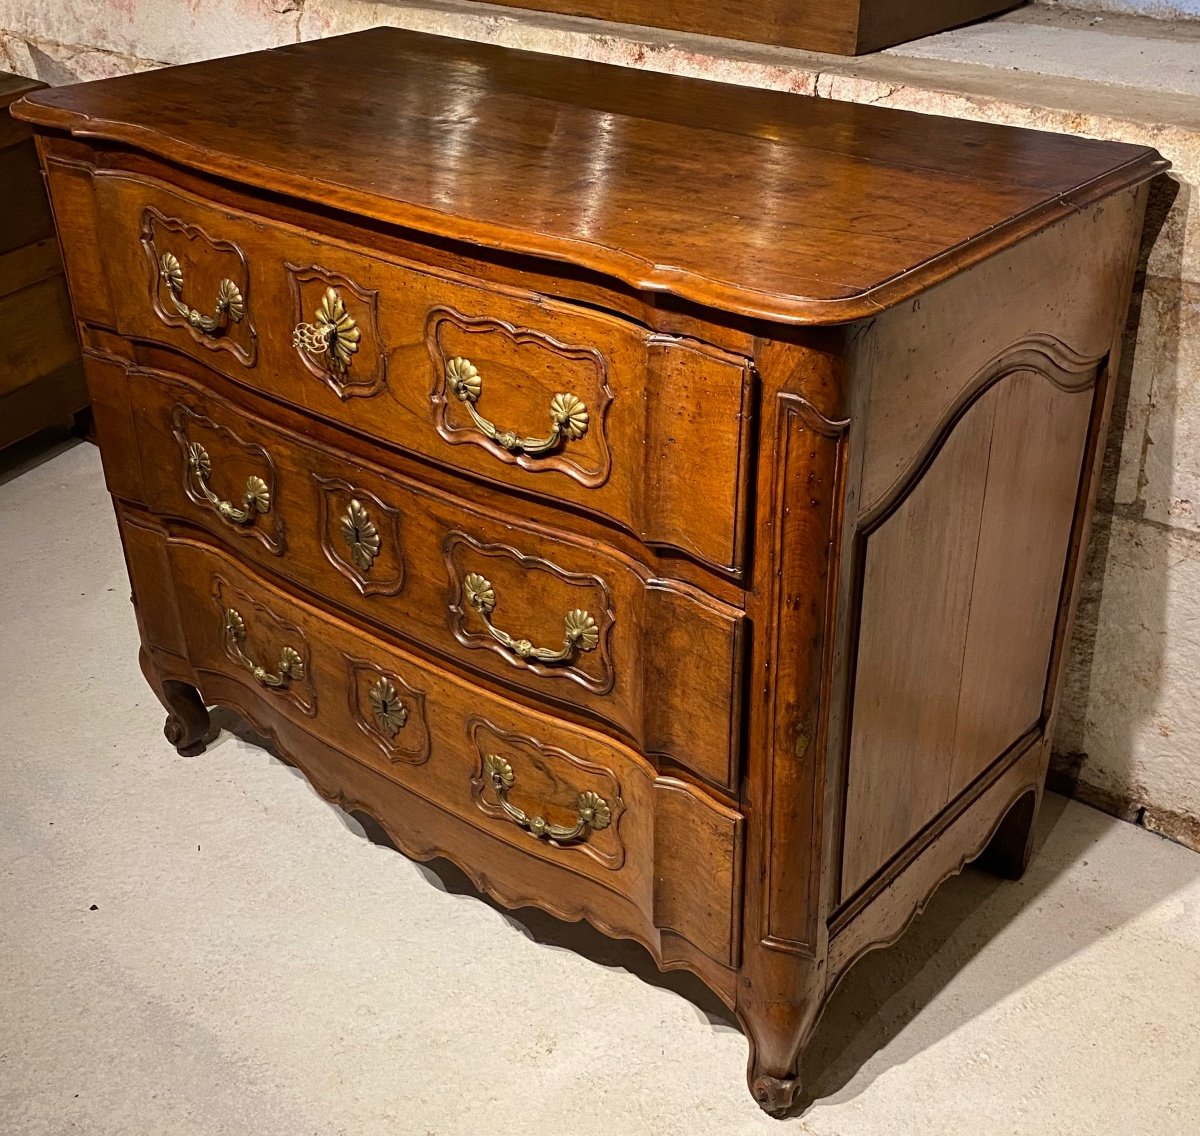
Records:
x=204, y=946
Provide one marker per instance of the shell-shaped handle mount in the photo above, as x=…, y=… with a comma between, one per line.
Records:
x=290, y=665
x=592, y=811
x=230, y=306
x=568, y=413
x=580, y=632
x=387, y=707
x=256, y=497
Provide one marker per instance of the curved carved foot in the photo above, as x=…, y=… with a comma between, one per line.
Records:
x=1007, y=854
x=187, y=717
x=776, y=1096
x=187, y=724
x=778, y=1007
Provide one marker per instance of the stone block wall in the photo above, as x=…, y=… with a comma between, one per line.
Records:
x=1156, y=9
x=1129, y=737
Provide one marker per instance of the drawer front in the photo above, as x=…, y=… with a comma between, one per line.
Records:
x=555, y=400
x=569, y=621
x=560, y=793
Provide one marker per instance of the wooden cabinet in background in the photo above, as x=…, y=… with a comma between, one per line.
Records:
x=41, y=375
x=664, y=500
x=842, y=27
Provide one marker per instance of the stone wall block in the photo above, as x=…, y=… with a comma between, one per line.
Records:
x=57, y=63
x=171, y=31
x=1158, y=9
x=1171, y=467
x=1131, y=409
x=1136, y=669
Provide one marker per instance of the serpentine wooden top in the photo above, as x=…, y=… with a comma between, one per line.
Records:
x=765, y=204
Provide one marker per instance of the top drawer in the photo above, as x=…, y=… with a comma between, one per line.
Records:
x=552, y=399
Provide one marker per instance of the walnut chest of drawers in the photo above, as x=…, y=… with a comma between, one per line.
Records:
x=661, y=499
x=41, y=377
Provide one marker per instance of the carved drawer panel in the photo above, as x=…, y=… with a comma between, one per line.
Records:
x=256, y=638
x=236, y=480
x=563, y=794
x=575, y=623
x=194, y=280
x=506, y=386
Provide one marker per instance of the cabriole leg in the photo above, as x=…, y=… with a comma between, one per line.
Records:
x=778, y=1030
x=187, y=717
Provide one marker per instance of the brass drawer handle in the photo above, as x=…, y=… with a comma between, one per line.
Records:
x=579, y=628
x=592, y=809
x=568, y=414
x=230, y=305
x=255, y=499
x=291, y=666
x=334, y=333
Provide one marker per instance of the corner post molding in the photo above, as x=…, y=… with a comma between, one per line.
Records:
x=802, y=450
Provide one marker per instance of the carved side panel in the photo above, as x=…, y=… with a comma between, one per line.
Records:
x=518, y=381
x=547, y=783
x=1038, y=439
x=204, y=269
x=904, y=439
x=389, y=710
x=531, y=604
x=267, y=640
x=336, y=331
x=360, y=536
x=962, y=567
x=229, y=469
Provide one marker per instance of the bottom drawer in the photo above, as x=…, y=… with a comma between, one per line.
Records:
x=555, y=791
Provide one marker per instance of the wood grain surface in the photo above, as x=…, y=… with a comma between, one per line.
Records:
x=832, y=568
x=41, y=378
x=633, y=464
x=839, y=209
x=665, y=671
x=846, y=27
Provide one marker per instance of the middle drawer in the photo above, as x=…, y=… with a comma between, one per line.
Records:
x=573, y=622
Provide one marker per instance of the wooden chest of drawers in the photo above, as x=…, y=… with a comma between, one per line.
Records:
x=41, y=376
x=661, y=499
